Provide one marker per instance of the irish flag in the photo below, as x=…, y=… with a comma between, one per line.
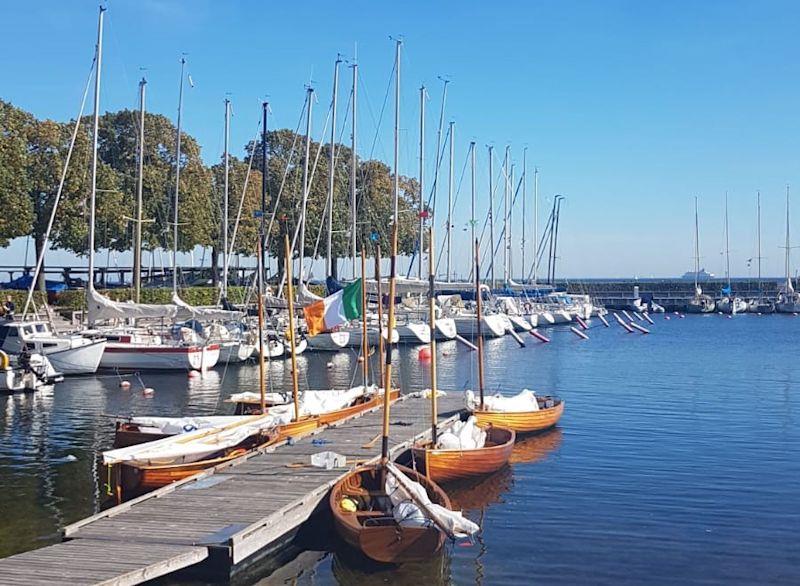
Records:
x=334, y=310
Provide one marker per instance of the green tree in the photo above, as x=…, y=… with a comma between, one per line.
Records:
x=17, y=208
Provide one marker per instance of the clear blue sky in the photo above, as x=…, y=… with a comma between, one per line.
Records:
x=628, y=108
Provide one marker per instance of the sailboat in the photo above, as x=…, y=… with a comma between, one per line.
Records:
x=788, y=298
x=760, y=304
x=523, y=413
x=389, y=513
x=463, y=449
x=729, y=303
x=700, y=303
x=130, y=348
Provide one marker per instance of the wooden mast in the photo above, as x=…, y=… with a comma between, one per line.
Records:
x=432, y=325
x=290, y=301
x=364, y=338
x=387, y=385
x=380, y=310
x=478, y=316
x=137, y=234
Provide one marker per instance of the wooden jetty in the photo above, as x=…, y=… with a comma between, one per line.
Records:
x=227, y=519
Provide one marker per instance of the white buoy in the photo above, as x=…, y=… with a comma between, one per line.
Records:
x=638, y=316
x=192, y=373
x=648, y=318
x=578, y=333
x=540, y=336
x=148, y=391
x=640, y=328
x=604, y=320
x=330, y=365
x=666, y=317
x=628, y=315
x=125, y=384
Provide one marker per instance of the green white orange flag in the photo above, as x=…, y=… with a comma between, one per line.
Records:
x=334, y=310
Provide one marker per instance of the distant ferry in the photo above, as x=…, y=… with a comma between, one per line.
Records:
x=701, y=275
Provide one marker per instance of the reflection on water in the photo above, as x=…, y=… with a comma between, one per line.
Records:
x=351, y=569
x=678, y=455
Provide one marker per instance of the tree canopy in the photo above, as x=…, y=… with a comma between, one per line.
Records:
x=32, y=155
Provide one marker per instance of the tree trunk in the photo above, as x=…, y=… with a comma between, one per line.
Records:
x=334, y=268
x=40, y=281
x=214, y=266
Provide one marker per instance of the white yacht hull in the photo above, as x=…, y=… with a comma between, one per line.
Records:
x=562, y=316
x=356, y=338
x=414, y=333
x=520, y=324
x=732, y=306
x=233, y=352
x=492, y=326
x=445, y=328
x=329, y=341
x=123, y=356
x=83, y=359
x=788, y=307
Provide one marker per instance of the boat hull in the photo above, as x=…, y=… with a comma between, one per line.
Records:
x=84, y=359
x=524, y=421
x=329, y=341
x=445, y=328
x=451, y=465
x=519, y=323
x=492, y=326
x=122, y=356
x=414, y=333
x=234, y=352
x=376, y=534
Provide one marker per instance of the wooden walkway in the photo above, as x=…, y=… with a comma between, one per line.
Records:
x=233, y=513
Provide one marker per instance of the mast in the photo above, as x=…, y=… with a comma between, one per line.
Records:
x=511, y=195
x=506, y=242
x=380, y=310
x=353, y=169
x=439, y=145
x=421, y=243
x=450, y=200
x=696, y=248
x=758, y=232
x=96, y=119
x=524, y=211
x=177, y=185
x=331, y=170
x=491, y=217
x=364, y=334
x=137, y=239
x=264, y=183
x=290, y=302
x=432, y=326
x=478, y=302
x=226, y=158
x=309, y=108
x=396, y=203
x=789, y=287
x=260, y=304
x=387, y=385
x=472, y=190
x=535, y=222
x=727, y=245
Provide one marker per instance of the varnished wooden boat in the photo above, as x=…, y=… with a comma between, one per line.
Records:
x=456, y=464
x=373, y=531
x=131, y=481
x=550, y=411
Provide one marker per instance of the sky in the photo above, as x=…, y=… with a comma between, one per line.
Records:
x=629, y=109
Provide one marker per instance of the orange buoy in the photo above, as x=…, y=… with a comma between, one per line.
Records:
x=424, y=353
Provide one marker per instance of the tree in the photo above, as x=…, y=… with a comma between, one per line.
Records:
x=17, y=213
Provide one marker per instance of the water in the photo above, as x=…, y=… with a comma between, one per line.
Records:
x=677, y=459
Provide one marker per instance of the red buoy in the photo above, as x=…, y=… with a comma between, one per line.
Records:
x=424, y=353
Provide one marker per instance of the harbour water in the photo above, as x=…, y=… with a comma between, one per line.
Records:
x=677, y=459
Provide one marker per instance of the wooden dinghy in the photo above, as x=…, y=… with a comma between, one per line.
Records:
x=252, y=406
x=462, y=450
x=448, y=465
x=550, y=411
x=363, y=519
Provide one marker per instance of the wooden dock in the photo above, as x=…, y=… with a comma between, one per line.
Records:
x=230, y=517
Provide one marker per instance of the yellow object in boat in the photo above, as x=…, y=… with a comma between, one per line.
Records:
x=348, y=505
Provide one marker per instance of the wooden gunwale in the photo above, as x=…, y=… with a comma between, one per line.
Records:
x=522, y=421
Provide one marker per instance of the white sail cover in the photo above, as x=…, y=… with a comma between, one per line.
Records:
x=462, y=435
x=175, y=425
x=314, y=402
x=101, y=307
x=187, y=311
x=405, y=495
x=523, y=402
x=191, y=447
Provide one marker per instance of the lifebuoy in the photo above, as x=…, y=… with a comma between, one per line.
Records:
x=4, y=360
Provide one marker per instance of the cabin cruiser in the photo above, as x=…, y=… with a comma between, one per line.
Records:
x=69, y=354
